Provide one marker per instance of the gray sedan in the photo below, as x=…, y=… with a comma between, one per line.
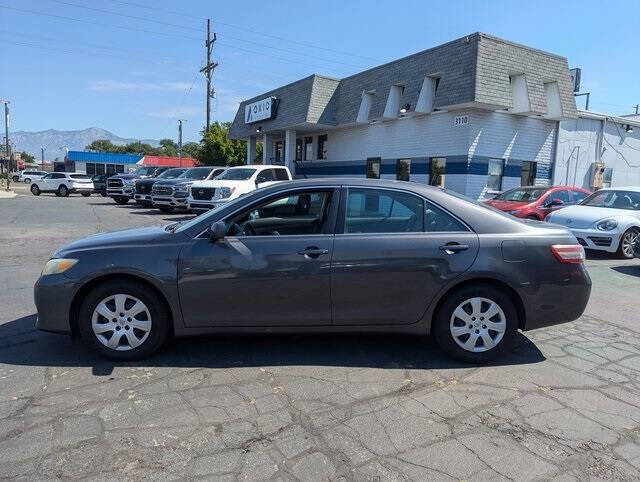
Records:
x=335, y=255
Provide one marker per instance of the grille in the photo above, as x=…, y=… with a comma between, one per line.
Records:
x=163, y=190
x=600, y=240
x=582, y=242
x=115, y=183
x=143, y=188
x=203, y=193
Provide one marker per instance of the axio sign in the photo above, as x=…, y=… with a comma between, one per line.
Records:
x=259, y=111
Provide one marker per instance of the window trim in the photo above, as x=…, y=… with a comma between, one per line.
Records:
x=341, y=217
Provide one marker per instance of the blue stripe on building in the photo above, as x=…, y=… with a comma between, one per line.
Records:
x=104, y=157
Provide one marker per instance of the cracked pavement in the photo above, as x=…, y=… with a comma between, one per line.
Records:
x=564, y=405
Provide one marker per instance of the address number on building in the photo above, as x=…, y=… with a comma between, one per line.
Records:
x=460, y=120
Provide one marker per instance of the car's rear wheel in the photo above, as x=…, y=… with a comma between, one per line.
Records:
x=27, y=180
x=35, y=190
x=63, y=191
x=476, y=323
x=121, y=200
x=15, y=178
x=628, y=242
x=123, y=320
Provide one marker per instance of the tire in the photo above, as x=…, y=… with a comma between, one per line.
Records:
x=121, y=200
x=152, y=324
x=86, y=194
x=627, y=242
x=15, y=178
x=166, y=209
x=27, y=180
x=103, y=194
x=505, y=319
x=35, y=190
x=63, y=191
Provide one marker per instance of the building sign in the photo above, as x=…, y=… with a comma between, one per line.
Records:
x=258, y=111
x=460, y=120
x=575, y=78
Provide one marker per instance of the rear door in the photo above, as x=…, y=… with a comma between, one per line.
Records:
x=393, y=251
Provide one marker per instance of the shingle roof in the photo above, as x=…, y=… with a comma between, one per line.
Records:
x=472, y=69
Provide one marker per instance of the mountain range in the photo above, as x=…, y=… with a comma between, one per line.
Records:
x=55, y=141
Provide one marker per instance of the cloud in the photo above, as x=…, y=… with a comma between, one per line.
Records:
x=115, y=85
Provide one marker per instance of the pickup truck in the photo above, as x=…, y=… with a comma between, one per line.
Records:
x=143, y=187
x=120, y=186
x=233, y=183
x=170, y=194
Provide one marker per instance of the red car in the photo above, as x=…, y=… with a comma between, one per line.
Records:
x=535, y=202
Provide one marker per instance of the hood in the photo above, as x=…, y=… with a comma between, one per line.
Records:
x=506, y=205
x=135, y=236
x=148, y=180
x=220, y=183
x=581, y=217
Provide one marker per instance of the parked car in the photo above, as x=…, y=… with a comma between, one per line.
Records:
x=142, y=188
x=170, y=194
x=100, y=184
x=608, y=220
x=366, y=256
x=536, y=202
x=235, y=182
x=120, y=186
x=63, y=184
x=28, y=176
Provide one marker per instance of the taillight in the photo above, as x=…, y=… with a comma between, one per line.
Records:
x=568, y=253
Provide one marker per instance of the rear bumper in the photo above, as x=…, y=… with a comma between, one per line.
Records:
x=53, y=295
x=560, y=301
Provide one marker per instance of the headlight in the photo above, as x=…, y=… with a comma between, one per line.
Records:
x=607, y=225
x=58, y=265
x=182, y=188
x=224, y=192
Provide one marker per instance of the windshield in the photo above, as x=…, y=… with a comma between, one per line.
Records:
x=197, y=173
x=614, y=199
x=171, y=173
x=144, y=171
x=522, y=194
x=241, y=174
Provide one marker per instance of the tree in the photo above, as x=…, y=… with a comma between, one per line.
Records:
x=216, y=149
x=191, y=149
x=27, y=157
x=103, y=145
x=169, y=148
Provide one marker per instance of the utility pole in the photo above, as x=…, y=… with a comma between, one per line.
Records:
x=637, y=107
x=42, y=157
x=6, y=138
x=208, y=70
x=180, y=140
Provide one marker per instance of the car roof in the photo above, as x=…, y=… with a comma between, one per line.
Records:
x=622, y=188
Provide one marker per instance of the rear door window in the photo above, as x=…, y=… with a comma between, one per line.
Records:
x=383, y=211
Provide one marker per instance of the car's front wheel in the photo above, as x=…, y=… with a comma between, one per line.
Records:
x=35, y=190
x=86, y=194
x=121, y=200
x=628, y=243
x=476, y=324
x=15, y=178
x=166, y=209
x=123, y=320
x=63, y=191
x=27, y=180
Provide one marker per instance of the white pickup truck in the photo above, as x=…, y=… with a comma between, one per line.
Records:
x=234, y=182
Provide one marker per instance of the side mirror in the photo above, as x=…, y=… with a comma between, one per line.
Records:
x=217, y=231
x=556, y=202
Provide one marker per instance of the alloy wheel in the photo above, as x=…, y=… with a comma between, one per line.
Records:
x=478, y=324
x=629, y=241
x=121, y=322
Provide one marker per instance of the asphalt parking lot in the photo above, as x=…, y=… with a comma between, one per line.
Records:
x=565, y=404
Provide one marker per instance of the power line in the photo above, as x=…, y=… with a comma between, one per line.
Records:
x=245, y=29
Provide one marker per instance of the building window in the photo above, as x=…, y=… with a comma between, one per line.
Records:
x=606, y=177
x=403, y=169
x=278, y=148
x=100, y=169
x=91, y=169
x=308, y=148
x=298, y=149
x=494, y=179
x=528, y=173
x=111, y=169
x=322, y=146
x=438, y=168
x=373, y=168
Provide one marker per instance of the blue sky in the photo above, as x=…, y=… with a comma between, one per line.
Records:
x=136, y=77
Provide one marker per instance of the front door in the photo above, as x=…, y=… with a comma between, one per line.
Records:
x=273, y=268
x=390, y=256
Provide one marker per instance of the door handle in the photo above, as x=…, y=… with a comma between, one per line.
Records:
x=453, y=248
x=313, y=252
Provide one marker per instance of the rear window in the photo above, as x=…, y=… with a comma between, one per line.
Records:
x=79, y=176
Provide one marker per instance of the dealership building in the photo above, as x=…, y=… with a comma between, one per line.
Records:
x=477, y=115
x=92, y=162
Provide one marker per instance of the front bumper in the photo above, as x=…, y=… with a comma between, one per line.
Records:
x=598, y=240
x=143, y=199
x=53, y=296
x=204, y=205
x=171, y=201
x=120, y=192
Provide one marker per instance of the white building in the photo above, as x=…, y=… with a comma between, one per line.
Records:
x=478, y=115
